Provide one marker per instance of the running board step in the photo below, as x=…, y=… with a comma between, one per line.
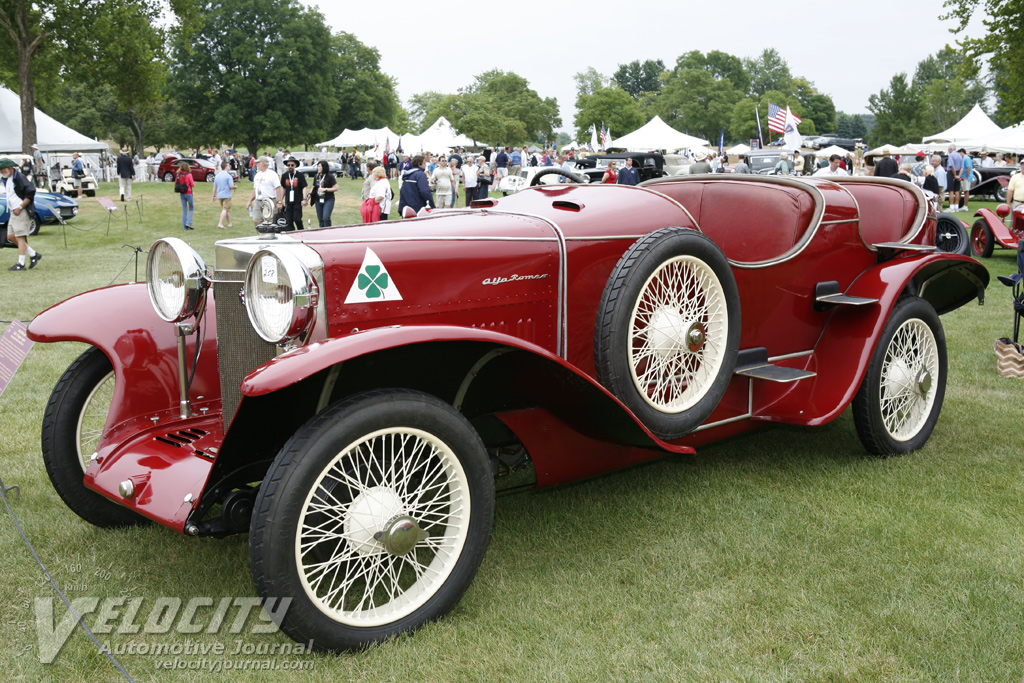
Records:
x=827, y=294
x=754, y=363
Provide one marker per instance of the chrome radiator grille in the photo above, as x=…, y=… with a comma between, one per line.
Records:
x=239, y=348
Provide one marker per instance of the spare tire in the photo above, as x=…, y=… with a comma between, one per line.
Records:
x=951, y=235
x=668, y=330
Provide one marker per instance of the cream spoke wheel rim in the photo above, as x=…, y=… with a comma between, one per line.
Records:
x=382, y=527
x=678, y=332
x=908, y=383
x=93, y=419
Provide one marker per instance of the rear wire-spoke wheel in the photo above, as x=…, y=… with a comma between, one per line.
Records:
x=72, y=427
x=668, y=329
x=374, y=518
x=982, y=239
x=899, y=401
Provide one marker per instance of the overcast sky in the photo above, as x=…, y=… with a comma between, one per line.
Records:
x=849, y=50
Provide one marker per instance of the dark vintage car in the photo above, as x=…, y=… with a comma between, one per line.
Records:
x=650, y=165
x=991, y=182
x=352, y=396
x=50, y=208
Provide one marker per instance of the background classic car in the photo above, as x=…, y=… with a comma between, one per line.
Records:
x=351, y=396
x=50, y=208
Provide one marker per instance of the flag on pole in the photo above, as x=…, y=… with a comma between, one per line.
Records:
x=387, y=147
x=593, y=137
x=760, y=137
x=721, y=142
x=777, y=118
x=793, y=138
x=604, y=138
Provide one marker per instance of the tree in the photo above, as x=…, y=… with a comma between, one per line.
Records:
x=637, y=78
x=949, y=86
x=370, y=97
x=61, y=31
x=425, y=108
x=898, y=116
x=743, y=123
x=769, y=71
x=501, y=108
x=260, y=75
x=694, y=99
x=1001, y=45
x=612, y=107
x=720, y=65
x=816, y=108
x=590, y=81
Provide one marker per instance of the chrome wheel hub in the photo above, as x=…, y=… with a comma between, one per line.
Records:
x=401, y=535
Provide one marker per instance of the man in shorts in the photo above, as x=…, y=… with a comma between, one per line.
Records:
x=77, y=172
x=223, y=188
x=267, y=193
x=20, y=197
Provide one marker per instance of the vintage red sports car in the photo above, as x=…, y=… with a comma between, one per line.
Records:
x=998, y=227
x=352, y=396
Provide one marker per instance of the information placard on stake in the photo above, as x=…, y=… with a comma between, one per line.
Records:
x=14, y=346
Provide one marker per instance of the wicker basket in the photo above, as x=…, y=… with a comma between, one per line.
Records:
x=1009, y=359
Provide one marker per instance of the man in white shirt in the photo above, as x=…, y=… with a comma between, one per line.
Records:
x=266, y=188
x=469, y=180
x=987, y=161
x=833, y=167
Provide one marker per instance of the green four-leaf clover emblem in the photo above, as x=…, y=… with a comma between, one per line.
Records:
x=373, y=281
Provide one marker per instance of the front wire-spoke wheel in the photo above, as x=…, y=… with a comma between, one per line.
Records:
x=375, y=517
x=900, y=399
x=73, y=425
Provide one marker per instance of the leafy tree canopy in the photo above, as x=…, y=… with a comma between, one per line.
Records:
x=590, y=81
x=258, y=76
x=369, y=97
x=613, y=107
x=898, y=114
x=694, y=99
x=769, y=71
x=637, y=78
x=721, y=65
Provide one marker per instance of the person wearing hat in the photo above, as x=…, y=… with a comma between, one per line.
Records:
x=921, y=160
x=702, y=165
x=886, y=167
x=267, y=195
x=20, y=197
x=294, y=184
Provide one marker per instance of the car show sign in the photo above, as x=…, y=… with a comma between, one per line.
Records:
x=14, y=346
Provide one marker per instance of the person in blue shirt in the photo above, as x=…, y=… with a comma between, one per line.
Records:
x=77, y=172
x=966, y=176
x=629, y=175
x=515, y=162
x=415, y=191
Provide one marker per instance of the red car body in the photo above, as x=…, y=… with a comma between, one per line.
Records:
x=496, y=318
x=994, y=227
x=202, y=171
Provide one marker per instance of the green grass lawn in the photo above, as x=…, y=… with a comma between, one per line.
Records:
x=786, y=555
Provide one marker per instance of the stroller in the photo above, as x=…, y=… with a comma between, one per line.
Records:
x=1010, y=353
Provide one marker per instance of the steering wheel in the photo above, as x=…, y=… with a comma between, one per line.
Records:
x=555, y=170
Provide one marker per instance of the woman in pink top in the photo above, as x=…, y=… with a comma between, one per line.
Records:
x=187, y=204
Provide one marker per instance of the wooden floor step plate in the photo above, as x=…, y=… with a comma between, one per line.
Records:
x=773, y=373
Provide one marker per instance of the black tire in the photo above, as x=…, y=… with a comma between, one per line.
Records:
x=209, y=176
x=535, y=180
x=443, y=463
x=89, y=193
x=168, y=177
x=62, y=444
x=693, y=338
x=951, y=235
x=1000, y=193
x=34, y=226
x=899, y=401
x=982, y=239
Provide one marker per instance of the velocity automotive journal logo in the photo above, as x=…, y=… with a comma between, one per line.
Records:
x=126, y=616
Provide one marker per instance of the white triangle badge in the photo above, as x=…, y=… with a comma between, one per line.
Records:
x=373, y=283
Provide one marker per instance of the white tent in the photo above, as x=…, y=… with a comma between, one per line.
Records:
x=656, y=134
x=830, y=150
x=738, y=149
x=571, y=145
x=1009, y=139
x=976, y=124
x=51, y=135
x=366, y=137
x=441, y=136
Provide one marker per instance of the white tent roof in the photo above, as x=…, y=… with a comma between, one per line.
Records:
x=976, y=124
x=830, y=150
x=656, y=134
x=738, y=149
x=1009, y=139
x=369, y=137
x=51, y=135
x=441, y=136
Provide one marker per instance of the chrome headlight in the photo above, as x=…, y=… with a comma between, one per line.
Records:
x=280, y=295
x=176, y=278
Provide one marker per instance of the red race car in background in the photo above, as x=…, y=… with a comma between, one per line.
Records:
x=999, y=227
x=352, y=396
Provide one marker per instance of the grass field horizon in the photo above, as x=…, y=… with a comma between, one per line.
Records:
x=784, y=554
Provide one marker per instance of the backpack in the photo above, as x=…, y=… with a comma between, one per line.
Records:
x=179, y=185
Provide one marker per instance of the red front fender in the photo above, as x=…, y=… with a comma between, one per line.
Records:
x=1000, y=232
x=534, y=375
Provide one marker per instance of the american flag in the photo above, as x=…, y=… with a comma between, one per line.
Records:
x=777, y=118
x=387, y=146
x=605, y=137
